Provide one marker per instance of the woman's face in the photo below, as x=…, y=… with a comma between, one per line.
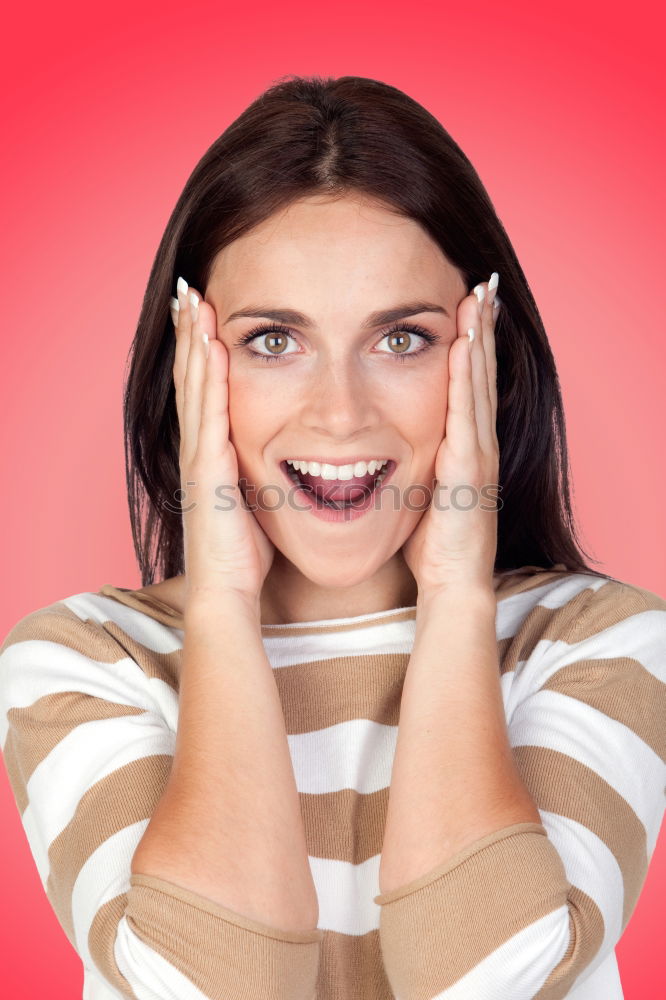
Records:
x=339, y=387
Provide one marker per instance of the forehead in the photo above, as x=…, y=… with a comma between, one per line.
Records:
x=329, y=243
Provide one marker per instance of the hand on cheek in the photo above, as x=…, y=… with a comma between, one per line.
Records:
x=455, y=542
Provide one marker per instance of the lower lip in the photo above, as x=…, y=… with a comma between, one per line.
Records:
x=306, y=499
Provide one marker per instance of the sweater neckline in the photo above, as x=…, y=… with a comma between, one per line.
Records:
x=514, y=582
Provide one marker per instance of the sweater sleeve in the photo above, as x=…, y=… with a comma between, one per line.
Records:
x=531, y=910
x=88, y=752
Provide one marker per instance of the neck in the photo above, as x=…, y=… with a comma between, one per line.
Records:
x=289, y=596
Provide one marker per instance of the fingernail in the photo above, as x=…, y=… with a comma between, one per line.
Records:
x=181, y=287
x=492, y=285
x=480, y=293
x=470, y=334
x=174, y=306
x=496, y=305
x=205, y=340
x=194, y=302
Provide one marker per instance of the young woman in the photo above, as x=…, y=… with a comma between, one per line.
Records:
x=378, y=730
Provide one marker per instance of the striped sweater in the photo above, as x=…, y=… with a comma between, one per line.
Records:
x=88, y=717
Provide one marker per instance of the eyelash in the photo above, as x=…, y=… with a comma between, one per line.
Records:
x=399, y=327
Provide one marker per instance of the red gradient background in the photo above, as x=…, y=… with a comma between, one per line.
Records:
x=106, y=110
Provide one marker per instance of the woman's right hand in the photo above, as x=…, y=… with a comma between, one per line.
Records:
x=225, y=550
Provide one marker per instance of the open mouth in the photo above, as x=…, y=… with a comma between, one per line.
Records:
x=338, y=494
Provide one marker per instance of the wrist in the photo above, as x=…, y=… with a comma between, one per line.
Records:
x=455, y=598
x=203, y=605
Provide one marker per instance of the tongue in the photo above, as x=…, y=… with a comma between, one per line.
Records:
x=339, y=489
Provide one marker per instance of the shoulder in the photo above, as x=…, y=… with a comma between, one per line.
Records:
x=74, y=621
x=606, y=605
x=88, y=642
x=591, y=628
x=611, y=635
x=632, y=597
x=572, y=603
x=586, y=674
x=110, y=615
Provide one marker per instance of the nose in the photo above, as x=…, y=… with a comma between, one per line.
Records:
x=339, y=403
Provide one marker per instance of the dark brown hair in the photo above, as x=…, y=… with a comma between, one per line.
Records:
x=313, y=135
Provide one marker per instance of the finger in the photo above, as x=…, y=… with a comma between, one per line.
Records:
x=490, y=313
x=483, y=404
x=206, y=324
x=194, y=373
x=214, y=429
x=182, y=347
x=461, y=432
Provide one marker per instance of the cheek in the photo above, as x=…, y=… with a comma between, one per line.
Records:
x=255, y=410
x=423, y=406
x=245, y=411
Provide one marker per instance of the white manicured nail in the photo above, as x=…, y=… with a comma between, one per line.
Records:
x=194, y=302
x=205, y=340
x=480, y=293
x=492, y=285
x=470, y=334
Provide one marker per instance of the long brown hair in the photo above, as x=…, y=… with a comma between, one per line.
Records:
x=313, y=135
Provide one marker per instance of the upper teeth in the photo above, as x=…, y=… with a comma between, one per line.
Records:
x=337, y=471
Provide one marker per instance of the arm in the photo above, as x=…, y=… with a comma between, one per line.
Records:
x=88, y=708
x=513, y=904
x=454, y=779
x=229, y=825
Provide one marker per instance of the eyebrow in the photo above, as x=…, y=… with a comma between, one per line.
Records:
x=379, y=318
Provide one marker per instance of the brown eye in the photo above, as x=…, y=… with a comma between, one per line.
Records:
x=401, y=341
x=273, y=338
x=276, y=343
x=402, y=338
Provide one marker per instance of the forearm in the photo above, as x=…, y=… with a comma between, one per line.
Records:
x=454, y=778
x=228, y=825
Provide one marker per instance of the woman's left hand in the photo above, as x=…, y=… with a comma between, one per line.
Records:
x=455, y=543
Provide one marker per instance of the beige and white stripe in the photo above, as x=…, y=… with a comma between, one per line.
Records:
x=88, y=716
